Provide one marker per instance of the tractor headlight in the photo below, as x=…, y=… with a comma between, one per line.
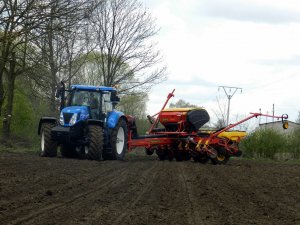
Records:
x=73, y=119
x=61, y=119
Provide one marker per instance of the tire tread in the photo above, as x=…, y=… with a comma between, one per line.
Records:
x=50, y=147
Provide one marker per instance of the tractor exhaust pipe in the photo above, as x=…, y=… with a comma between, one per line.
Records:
x=60, y=92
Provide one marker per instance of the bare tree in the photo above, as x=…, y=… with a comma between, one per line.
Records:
x=123, y=32
x=61, y=41
x=182, y=104
x=134, y=104
x=245, y=126
x=18, y=18
x=22, y=22
x=220, y=114
x=12, y=29
x=298, y=118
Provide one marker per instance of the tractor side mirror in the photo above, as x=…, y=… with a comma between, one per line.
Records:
x=285, y=125
x=117, y=99
x=114, y=97
x=60, y=90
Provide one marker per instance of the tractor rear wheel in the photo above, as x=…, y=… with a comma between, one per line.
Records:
x=48, y=146
x=118, y=140
x=94, y=149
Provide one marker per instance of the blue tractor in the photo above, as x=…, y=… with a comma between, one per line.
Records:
x=88, y=127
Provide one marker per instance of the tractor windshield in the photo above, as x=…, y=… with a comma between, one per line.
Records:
x=98, y=102
x=85, y=98
x=91, y=99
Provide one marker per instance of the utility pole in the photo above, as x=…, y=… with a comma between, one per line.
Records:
x=273, y=112
x=260, y=116
x=229, y=91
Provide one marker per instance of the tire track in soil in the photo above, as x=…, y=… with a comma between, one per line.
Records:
x=193, y=215
x=113, y=180
x=68, y=176
x=241, y=192
x=27, y=191
x=138, y=196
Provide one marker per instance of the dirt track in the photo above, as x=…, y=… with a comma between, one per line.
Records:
x=143, y=190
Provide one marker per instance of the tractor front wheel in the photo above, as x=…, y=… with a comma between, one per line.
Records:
x=118, y=140
x=48, y=146
x=94, y=149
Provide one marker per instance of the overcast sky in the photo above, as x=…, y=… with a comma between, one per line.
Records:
x=251, y=44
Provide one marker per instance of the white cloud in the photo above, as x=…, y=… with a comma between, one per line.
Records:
x=274, y=12
x=249, y=44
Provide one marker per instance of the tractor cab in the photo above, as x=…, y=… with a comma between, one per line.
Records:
x=86, y=102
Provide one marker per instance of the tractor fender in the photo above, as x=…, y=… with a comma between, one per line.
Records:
x=46, y=120
x=113, y=118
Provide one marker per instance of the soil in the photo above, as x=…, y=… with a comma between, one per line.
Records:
x=144, y=190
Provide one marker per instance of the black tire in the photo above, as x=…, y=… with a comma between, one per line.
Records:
x=186, y=156
x=94, y=149
x=149, y=151
x=169, y=155
x=161, y=155
x=220, y=159
x=165, y=154
x=201, y=159
x=68, y=151
x=48, y=146
x=178, y=155
x=118, y=140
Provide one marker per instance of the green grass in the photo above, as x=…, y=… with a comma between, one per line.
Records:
x=15, y=149
x=268, y=160
x=17, y=144
x=271, y=144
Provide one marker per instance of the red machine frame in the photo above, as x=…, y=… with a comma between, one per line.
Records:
x=201, y=146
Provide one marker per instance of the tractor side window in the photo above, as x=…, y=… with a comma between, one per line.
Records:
x=106, y=102
x=94, y=105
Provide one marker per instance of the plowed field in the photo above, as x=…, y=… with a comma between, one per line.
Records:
x=144, y=190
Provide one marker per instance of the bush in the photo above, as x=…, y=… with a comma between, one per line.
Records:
x=27, y=110
x=265, y=143
x=143, y=126
x=294, y=144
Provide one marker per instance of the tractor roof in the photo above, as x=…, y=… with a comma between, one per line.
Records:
x=92, y=88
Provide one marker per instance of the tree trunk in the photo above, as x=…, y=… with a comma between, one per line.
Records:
x=53, y=102
x=4, y=59
x=1, y=88
x=10, y=98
